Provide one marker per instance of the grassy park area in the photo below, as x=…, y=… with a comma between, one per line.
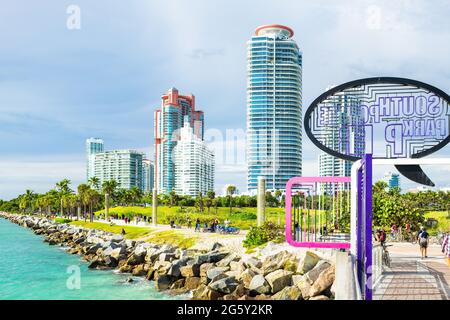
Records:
x=242, y=218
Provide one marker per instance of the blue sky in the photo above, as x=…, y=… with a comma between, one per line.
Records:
x=60, y=86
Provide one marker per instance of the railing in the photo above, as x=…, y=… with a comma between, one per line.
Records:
x=377, y=264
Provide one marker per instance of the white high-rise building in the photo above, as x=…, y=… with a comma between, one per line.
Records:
x=274, y=107
x=148, y=175
x=193, y=164
x=93, y=145
x=124, y=166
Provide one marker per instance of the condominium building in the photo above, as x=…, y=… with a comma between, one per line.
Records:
x=193, y=164
x=124, y=166
x=274, y=107
x=148, y=175
x=168, y=119
x=93, y=145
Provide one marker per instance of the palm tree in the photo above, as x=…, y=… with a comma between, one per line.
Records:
x=278, y=195
x=210, y=195
x=230, y=191
x=82, y=193
x=29, y=197
x=94, y=182
x=135, y=195
x=173, y=198
x=199, y=201
x=63, y=189
x=92, y=197
x=108, y=188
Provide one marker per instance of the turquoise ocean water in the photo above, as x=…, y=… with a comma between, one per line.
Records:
x=31, y=269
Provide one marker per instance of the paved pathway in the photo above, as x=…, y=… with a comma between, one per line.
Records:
x=413, y=278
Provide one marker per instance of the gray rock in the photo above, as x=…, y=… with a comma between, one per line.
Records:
x=163, y=282
x=192, y=270
x=279, y=279
x=213, y=272
x=314, y=273
x=288, y=293
x=224, y=285
x=117, y=238
x=308, y=262
x=225, y=262
x=275, y=262
x=204, y=268
x=215, y=256
x=323, y=282
x=175, y=268
x=247, y=277
x=166, y=256
x=259, y=285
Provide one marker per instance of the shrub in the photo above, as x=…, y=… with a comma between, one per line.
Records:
x=257, y=236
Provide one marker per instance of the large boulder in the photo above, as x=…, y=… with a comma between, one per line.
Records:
x=192, y=283
x=296, y=278
x=304, y=287
x=117, y=238
x=167, y=256
x=308, y=262
x=138, y=254
x=276, y=261
x=259, y=285
x=216, y=256
x=163, y=282
x=214, y=272
x=253, y=263
x=225, y=262
x=139, y=270
x=246, y=277
x=323, y=282
x=204, y=268
x=288, y=293
x=206, y=293
x=225, y=285
x=192, y=270
x=176, y=266
x=314, y=273
x=279, y=279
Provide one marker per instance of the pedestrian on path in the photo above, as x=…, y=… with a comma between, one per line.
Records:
x=423, y=242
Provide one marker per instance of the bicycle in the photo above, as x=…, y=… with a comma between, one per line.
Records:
x=385, y=257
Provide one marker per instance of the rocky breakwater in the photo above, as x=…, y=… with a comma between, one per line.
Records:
x=215, y=273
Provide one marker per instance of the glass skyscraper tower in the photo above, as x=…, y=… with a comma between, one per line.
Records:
x=274, y=107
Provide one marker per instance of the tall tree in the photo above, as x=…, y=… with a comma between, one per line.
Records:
x=63, y=189
x=94, y=182
x=210, y=195
x=230, y=191
x=108, y=188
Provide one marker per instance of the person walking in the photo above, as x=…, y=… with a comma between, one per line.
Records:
x=423, y=242
x=197, y=225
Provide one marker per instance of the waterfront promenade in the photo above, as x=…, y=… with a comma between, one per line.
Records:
x=413, y=278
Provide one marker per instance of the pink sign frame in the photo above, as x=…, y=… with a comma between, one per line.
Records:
x=288, y=209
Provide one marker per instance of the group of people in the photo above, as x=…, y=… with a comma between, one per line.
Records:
x=423, y=237
x=212, y=227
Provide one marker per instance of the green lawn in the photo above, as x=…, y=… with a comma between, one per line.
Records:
x=243, y=218
x=130, y=231
x=443, y=219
